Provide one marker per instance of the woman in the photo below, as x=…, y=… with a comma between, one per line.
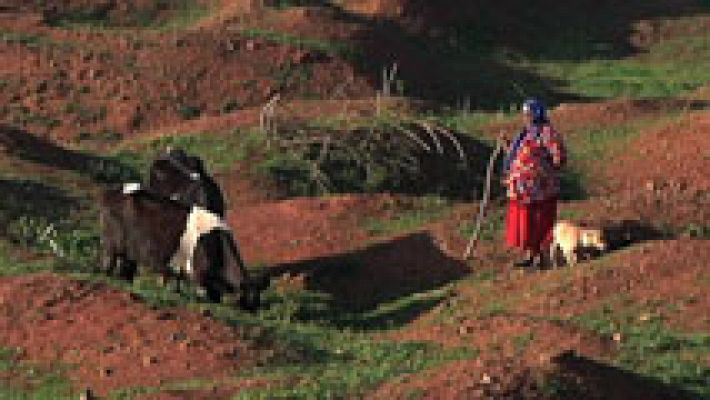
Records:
x=531, y=169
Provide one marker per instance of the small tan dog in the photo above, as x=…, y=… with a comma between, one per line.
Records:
x=572, y=240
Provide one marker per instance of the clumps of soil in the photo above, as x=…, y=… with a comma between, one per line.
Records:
x=97, y=85
x=112, y=339
x=516, y=356
x=657, y=180
x=657, y=272
x=304, y=228
x=524, y=354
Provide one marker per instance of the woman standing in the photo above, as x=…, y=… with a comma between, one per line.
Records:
x=531, y=169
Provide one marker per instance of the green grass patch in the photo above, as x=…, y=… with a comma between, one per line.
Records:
x=570, y=214
x=602, y=142
x=86, y=114
x=220, y=151
x=23, y=381
x=11, y=264
x=697, y=231
x=318, y=351
x=667, y=69
x=162, y=15
x=283, y=4
x=325, y=46
x=24, y=39
x=359, y=367
x=473, y=122
x=491, y=227
x=652, y=350
x=493, y=308
x=521, y=342
x=609, y=79
x=590, y=147
x=422, y=211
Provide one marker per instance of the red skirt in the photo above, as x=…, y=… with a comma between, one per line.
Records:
x=529, y=226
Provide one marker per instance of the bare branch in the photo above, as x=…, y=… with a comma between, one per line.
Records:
x=413, y=136
x=455, y=141
x=428, y=129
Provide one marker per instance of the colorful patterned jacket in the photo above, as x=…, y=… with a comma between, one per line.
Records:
x=534, y=169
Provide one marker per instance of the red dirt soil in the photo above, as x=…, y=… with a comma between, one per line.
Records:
x=658, y=279
x=659, y=178
x=132, y=83
x=658, y=272
x=296, y=229
x=65, y=82
x=520, y=346
x=293, y=112
x=113, y=339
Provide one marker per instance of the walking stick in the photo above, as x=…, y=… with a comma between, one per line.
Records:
x=482, y=206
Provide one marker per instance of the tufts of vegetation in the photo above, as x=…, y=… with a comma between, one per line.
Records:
x=162, y=14
x=384, y=155
x=409, y=216
x=229, y=106
x=86, y=115
x=32, y=382
x=654, y=351
x=281, y=4
x=697, y=231
x=24, y=39
x=491, y=228
x=220, y=151
x=319, y=45
x=315, y=350
x=74, y=247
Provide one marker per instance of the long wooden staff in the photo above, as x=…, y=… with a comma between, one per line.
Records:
x=484, y=202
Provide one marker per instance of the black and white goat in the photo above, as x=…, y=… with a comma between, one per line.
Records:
x=139, y=227
x=182, y=177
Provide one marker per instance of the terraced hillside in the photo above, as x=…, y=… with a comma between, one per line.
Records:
x=357, y=194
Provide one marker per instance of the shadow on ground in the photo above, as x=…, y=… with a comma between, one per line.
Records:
x=394, y=274
x=582, y=377
x=26, y=146
x=451, y=49
x=627, y=232
x=34, y=200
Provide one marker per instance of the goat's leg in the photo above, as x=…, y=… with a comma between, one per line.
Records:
x=108, y=261
x=178, y=279
x=554, y=256
x=127, y=268
x=573, y=257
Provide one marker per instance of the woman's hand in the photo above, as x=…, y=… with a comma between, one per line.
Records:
x=503, y=140
x=504, y=181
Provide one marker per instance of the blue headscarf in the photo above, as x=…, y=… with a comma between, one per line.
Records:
x=537, y=109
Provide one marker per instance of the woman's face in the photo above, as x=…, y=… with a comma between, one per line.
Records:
x=527, y=116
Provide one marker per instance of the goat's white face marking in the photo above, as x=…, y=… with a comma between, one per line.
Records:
x=131, y=187
x=199, y=222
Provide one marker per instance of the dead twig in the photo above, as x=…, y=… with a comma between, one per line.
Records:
x=484, y=202
x=267, y=122
x=430, y=131
x=455, y=141
x=412, y=135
